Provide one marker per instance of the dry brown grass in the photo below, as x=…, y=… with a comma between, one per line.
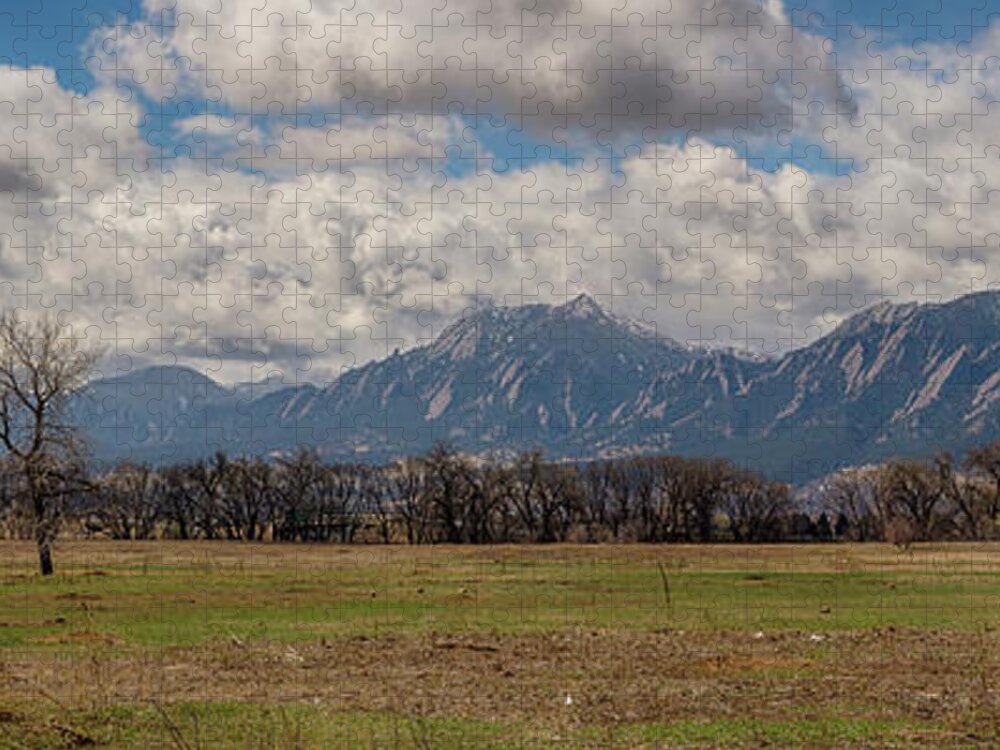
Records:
x=902, y=685
x=88, y=558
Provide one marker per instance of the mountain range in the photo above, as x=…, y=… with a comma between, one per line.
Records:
x=581, y=383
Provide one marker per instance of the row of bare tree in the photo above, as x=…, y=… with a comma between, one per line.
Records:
x=905, y=501
x=445, y=496
x=441, y=497
x=46, y=486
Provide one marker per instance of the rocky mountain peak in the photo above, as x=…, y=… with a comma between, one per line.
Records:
x=583, y=306
x=578, y=382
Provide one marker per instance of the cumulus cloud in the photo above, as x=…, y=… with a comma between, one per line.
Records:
x=637, y=65
x=327, y=199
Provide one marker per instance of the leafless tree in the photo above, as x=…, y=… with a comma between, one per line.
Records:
x=709, y=480
x=599, y=486
x=180, y=499
x=315, y=501
x=985, y=461
x=619, y=503
x=912, y=495
x=463, y=495
x=128, y=502
x=42, y=367
x=206, y=480
x=446, y=473
x=298, y=479
x=246, y=499
x=558, y=495
x=547, y=498
x=645, y=507
x=852, y=494
x=692, y=492
x=407, y=481
x=334, y=504
x=524, y=489
x=758, y=511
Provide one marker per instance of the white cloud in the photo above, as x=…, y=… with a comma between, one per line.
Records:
x=317, y=242
x=636, y=65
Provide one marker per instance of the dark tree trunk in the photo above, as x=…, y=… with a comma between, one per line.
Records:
x=45, y=557
x=43, y=532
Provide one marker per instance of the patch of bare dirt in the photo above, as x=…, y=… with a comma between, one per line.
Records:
x=76, y=596
x=82, y=636
x=944, y=678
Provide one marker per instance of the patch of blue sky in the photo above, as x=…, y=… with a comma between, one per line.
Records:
x=500, y=149
x=894, y=22
x=801, y=152
x=52, y=33
x=497, y=147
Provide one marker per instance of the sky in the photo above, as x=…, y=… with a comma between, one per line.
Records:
x=289, y=189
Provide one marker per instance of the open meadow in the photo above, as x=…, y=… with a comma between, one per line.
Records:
x=205, y=645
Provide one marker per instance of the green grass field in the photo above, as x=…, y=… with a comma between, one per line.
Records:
x=203, y=645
